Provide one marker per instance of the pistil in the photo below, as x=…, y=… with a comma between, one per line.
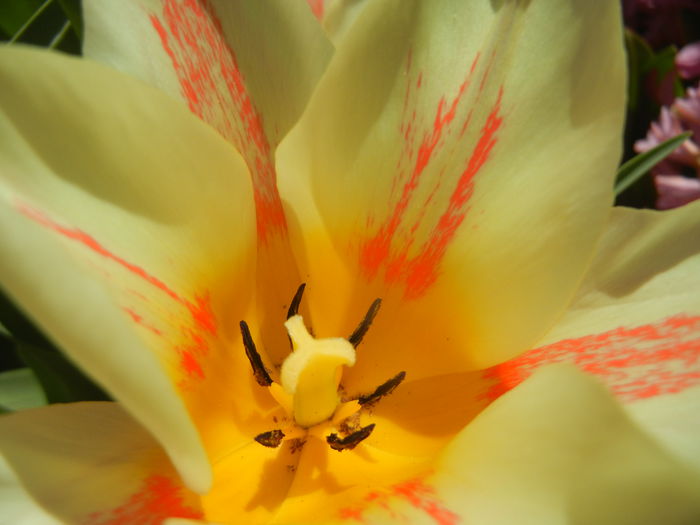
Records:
x=312, y=372
x=309, y=380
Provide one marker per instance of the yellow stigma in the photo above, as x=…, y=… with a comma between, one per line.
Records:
x=311, y=373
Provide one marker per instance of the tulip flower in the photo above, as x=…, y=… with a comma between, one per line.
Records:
x=320, y=280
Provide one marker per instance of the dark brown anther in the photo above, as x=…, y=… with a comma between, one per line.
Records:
x=351, y=441
x=296, y=301
x=259, y=371
x=356, y=337
x=271, y=439
x=382, y=390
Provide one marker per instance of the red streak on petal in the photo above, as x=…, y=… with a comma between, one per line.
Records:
x=215, y=90
x=423, y=269
x=636, y=363
x=394, y=246
x=200, y=309
x=89, y=242
x=416, y=492
x=376, y=250
x=202, y=316
x=189, y=364
x=159, y=499
x=317, y=8
x=138, y=319
x=422, y=496
x=351, y=514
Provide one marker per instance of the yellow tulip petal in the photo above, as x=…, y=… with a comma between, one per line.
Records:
x=646, y=269
x=461, y=157
x=556, y=450
x=326, y=481
x=250, y=483
x=238, y=65
x=120, y=239
x=248, y=69
x=18, y=508
x=635, y=321
x=635, y=324
x=183, y=521
x=92, y=463
x=673, y=421
x=336, y=16
x=318, y=8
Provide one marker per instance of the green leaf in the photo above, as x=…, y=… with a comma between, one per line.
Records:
x=14, y=14
x=637, y=166
x=56, y=24
x=664, y=63
x=74, y=13
x=663, y=60
x=17, y=324
x=61, y=381
x=638, y=56
x=60, y=36
x=19, y=389
x=30, y=20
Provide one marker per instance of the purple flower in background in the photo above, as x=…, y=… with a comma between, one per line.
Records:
x=675, y=191
x=673, y=188
x=688, y=61
x=688, y=110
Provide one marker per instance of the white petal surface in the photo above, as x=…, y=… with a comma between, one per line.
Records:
x=18, y=508
x=557, y=450
x=247, y=68
x=92, y=463
x=458, y=157
x=128, y=234
x=229, y=61
x=635, y=324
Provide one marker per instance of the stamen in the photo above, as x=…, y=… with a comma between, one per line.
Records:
x=259, y=371
x=296, y=301
x=362, y=328
x=382, y=390
x=351, y=441
x=271, y=439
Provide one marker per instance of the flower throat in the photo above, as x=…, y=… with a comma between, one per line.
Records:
x=309, y=381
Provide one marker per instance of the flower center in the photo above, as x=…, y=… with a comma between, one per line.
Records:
x=309, y=381
x=311, y=373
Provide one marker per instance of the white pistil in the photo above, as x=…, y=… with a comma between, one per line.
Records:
x=312, y=372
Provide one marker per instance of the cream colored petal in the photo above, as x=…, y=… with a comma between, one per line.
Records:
x=673, y=420
x=248, y=69
x=92, y=463
x=635, y=324
x=236, y=64
x=646, y=268
x=336, y=16
x=460, y=158
x=128, y=235
x=557, y=450
x=18, y=508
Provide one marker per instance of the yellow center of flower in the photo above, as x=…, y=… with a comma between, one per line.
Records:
x=311, y=373
x=310, y=439
x=309, y=381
